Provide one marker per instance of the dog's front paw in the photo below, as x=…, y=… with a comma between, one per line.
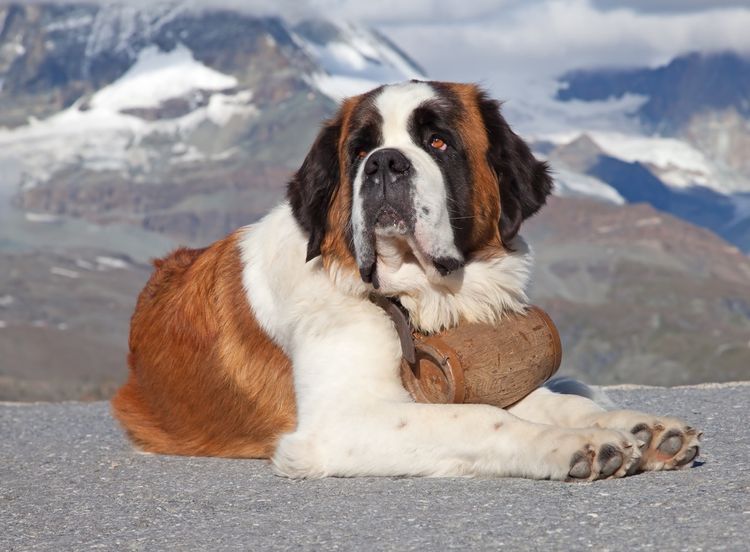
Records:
x=668, y=443
x=603, y=454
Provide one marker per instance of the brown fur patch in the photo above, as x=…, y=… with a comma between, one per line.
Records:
x=334, y=246
x=204, y=378
x=486, y=195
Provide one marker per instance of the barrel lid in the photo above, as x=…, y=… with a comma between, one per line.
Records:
x=437, y=375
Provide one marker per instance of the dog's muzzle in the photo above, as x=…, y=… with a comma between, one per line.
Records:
x=387, y=191
x=388, y=209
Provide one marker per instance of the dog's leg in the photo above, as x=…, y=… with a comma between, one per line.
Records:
x=667, y=442
x=383, y=438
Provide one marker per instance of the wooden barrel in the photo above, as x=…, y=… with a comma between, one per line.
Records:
x=482, y=363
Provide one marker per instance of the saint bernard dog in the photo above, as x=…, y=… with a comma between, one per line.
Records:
x=266, y=344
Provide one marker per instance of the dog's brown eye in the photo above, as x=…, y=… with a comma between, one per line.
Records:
x=362, y=154
x=438, y=143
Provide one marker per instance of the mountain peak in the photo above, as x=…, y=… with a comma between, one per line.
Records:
x=688, y=85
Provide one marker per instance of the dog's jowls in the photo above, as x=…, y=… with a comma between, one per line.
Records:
x=266, y=345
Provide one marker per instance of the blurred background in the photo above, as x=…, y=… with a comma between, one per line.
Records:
x=128, y=129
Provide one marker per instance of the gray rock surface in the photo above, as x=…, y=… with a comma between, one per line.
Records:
x=70, y=481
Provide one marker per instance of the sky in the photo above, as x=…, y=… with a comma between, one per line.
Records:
x=506, y=44
x=517, y=48
x=479, y=39
x=509, y=40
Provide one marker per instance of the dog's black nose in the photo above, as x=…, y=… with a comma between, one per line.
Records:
x=389, y=161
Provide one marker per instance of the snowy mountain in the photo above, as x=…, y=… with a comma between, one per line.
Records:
x=675, y=93
x=684, y=148
x=122, y=114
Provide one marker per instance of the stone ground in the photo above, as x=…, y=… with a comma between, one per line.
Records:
x=70, y=481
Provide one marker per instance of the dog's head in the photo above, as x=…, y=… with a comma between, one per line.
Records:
x=428, y=169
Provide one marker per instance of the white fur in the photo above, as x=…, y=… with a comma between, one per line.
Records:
x=354, y=416
x=433, y=232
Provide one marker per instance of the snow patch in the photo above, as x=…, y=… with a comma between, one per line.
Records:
x=570, y=184
x=221, y=107
x=41, y=217
x=102, y=138
x=357, y=61
x=70, y=23
x=674, y=157
x=346, y=55
x=650, y=221
x=111, y=262
x=81, y=263
x=676, y=163
x=158, y=76
x=59, y=271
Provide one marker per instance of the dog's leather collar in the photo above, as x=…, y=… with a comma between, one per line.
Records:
x=400, y=318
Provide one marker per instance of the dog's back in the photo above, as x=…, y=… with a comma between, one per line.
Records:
x=199, y=382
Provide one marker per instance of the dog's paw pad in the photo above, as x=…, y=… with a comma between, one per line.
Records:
x=671, y=443
x=610, y=460
x=688, y=457
x=580, y=465
x=643, y=433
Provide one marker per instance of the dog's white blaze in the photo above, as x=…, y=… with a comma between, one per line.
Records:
x=396, y=104
x=433, y=232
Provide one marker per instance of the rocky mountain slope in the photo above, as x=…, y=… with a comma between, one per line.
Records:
x=640, y=296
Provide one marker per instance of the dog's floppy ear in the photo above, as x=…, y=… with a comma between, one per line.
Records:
x=311, y=188
x=524, y=181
